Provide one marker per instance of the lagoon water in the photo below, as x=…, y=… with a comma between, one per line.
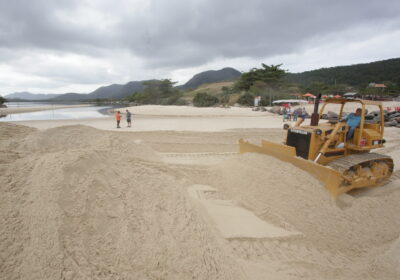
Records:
x=34, y=104
x=58, y=114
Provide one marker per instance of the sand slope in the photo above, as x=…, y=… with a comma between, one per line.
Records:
x=94, y=206
x=82, y=203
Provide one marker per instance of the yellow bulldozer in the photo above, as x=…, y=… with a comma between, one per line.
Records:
x=324, y=149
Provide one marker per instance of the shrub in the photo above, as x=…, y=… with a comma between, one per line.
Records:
x=246, y=99
x=204, y=100
x=181, y=102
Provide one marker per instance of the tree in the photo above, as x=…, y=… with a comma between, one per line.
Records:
x=272, y=76
x=2, y=100
x=318, y=87
x=157, y=92
x=225, y=95
x=267, y=79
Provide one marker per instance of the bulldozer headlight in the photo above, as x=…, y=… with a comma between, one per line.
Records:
x=318, y=131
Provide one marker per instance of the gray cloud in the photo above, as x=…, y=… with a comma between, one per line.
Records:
x=199, y=31
x=48, y=25
x=99, y=41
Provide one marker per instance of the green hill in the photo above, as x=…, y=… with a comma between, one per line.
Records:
x=358, y=75
x=211, y=76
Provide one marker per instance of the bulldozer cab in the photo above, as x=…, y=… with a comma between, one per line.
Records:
x=367, y=135
x=326, y=138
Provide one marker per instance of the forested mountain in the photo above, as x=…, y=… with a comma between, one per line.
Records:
x=352, y=77
x=116, y=91
x=30, y=96
x=358, y=75
x=211, y=76
x=69, y=97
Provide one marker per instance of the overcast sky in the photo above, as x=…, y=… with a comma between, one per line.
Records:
x=78, y=45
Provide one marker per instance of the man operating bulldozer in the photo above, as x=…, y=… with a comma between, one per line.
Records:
x=322, y=150
x=353, y=121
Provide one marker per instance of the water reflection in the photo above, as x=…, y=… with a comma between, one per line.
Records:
x=58, y=114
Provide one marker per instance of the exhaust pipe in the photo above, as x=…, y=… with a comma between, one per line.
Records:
x=315, y=115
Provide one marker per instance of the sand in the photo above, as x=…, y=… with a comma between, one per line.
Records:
x=79, y=202
x=176, y=118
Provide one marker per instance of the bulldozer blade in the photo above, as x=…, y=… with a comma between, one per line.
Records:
x=331, y=178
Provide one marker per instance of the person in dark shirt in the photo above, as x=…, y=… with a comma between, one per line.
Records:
x=128, y=118
x=353, y=121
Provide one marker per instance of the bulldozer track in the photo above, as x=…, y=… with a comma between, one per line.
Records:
x=347, y=162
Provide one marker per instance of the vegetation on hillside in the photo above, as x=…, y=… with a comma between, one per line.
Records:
x=354, y=77
x=158, y=92
x=246, y=99
x=271, y=82
x=2, y=100
x=225, y=74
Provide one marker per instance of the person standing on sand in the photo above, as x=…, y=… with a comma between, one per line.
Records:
x=289, y=113
x=128, y=118
x=303, y=113
x=118, y=118
x=284, y=114
x=295, y=112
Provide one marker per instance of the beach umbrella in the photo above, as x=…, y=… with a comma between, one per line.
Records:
x=324, y=96
x=337, y=96
x=308, y=95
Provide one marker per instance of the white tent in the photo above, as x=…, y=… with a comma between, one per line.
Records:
x=289, y=101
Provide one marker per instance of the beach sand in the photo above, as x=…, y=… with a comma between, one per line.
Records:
x=171, y=198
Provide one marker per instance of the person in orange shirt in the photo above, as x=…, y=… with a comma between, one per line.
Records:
x=118, y=118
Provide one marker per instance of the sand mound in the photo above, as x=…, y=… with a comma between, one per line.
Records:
x=84, y=204
x=339, y=241
x=9, y=130
x=271, y=187
x=80, y=203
